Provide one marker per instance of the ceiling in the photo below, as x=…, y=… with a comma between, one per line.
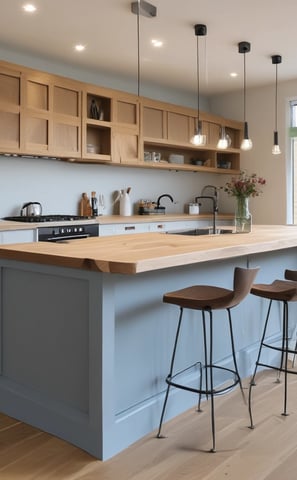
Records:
x=108, y=29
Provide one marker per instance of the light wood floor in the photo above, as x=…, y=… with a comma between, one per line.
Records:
x=268, y=452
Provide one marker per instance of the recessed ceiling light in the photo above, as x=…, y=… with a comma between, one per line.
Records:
x=233, y=74
x=28, y=7
x=80, y=47
x=157, y=43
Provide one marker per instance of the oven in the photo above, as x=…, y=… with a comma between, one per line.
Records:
x=67, y=232
x=58, y=228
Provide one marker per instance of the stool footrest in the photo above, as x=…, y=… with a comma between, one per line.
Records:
x=278, y=368
x=205, y=391
x=279, y=349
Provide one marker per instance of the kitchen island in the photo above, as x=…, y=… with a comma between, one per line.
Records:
x=86, y=338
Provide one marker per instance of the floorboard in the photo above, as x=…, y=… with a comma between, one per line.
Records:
x=266, y=453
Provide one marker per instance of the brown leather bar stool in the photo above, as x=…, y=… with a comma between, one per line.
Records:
x=284, y=291
x=206, y=299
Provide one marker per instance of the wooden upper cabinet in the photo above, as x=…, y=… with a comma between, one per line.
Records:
x=125, y=133
x=110, y=126
x=51, y=116
x=167, y=131
x=10, y=93
x=47, y=115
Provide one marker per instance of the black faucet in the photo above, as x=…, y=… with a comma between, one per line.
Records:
x=214, y=209
x=215, y=195
x=159, y=198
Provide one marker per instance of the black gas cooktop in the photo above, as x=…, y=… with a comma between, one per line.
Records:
x=47, y=218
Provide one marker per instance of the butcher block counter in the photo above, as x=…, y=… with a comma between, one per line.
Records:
x=86, y=338
x=131, y=254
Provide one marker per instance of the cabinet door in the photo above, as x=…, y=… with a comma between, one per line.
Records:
x=125, y=144
x=50, y=122
x=10, y=88
x=125, y=130
x=178, y=128
x=18, y=236
x=66, y=120
x=154, y=123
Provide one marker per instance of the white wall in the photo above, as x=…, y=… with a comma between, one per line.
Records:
x=272, y=206
x=58, y=185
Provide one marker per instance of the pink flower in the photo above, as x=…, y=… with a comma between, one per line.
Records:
x=245, y=185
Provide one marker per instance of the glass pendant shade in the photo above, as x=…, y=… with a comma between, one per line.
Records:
x=224, y=140
x=198, y=138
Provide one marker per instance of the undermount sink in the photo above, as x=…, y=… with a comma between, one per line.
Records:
x=201, y=231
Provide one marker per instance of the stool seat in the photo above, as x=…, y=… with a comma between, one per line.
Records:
x=200, y=297
x=282, y=290
x=207, y=298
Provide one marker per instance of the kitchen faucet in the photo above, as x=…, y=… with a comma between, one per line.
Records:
x=214, y=209
x=215, y=195
x=162, y=196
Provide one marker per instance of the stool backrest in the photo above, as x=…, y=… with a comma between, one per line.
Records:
x=242, y=283
x=291, y=275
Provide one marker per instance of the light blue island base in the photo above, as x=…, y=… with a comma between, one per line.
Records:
x=84, y=355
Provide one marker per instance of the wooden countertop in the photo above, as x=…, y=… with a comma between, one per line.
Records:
x=6, y=225
x=135, y=253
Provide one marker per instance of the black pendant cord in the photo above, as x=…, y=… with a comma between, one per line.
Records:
x=138, y=49
x=244, y=89
x=276, y=98
x=198, y=86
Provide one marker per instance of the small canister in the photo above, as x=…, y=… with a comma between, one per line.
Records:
x=193, y=208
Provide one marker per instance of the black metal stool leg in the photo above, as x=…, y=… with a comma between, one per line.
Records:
x=213, y=428
x=205, y=351
x=234, y=353
x=170, y=372
x=286, y=347
x=205, y=363
x=282, y=360
x=252, y=382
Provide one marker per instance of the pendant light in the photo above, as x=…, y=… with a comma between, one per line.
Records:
x=224, y=140
x=276, y=60
x=246, y=144
x=198, y=138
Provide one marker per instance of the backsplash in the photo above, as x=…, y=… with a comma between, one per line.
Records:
x=58, y=185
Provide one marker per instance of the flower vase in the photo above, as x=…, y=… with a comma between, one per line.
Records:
x=243, y=218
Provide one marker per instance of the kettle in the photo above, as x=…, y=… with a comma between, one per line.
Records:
x=31, y=209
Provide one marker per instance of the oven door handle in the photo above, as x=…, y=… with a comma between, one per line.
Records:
x=70, y=237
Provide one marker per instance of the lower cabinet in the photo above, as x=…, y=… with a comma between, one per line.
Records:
x=162, y=227
x=17, y=236
x=122, y=229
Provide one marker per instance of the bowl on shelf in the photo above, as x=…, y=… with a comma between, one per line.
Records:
x=91, y=148
x=197, y=161
x=226, y=164
x=175, y=158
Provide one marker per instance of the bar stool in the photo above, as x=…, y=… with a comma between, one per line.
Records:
x=284, y=291
x=206, y=299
